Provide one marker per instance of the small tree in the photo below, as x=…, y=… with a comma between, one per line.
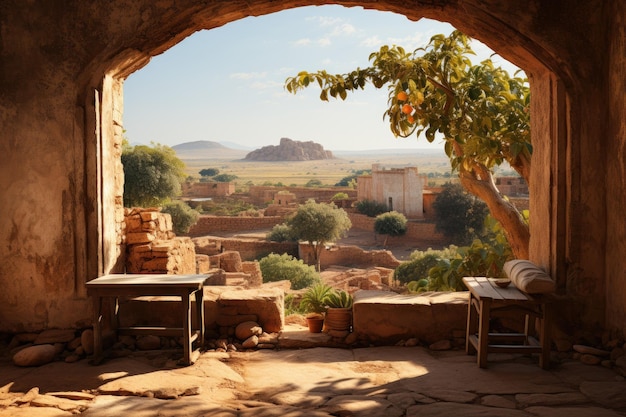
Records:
x=318, y=224
x=225, y=178
x=209, y=172
x=460, y=216
x=152, y=175
x=276, y=267
x=390, y=224
x=183, y=216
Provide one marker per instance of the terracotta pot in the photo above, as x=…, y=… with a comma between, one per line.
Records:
x=338, y=319
x=315, y=324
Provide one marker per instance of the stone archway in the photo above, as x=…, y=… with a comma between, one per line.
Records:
x=61, y=74
x=512, y=44
x=542, y=69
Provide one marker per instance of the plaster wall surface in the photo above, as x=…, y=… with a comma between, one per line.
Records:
x=62, y=67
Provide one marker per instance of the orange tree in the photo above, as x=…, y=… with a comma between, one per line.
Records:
x=480, y=111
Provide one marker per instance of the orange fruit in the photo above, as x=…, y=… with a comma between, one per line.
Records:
x=402, y=96
x=407, y=109
x=410, y=119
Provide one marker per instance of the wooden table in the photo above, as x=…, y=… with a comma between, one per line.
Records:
x=486, y=298
x=136, y=285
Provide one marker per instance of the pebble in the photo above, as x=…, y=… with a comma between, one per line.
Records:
x=250, y=342
x=588, y=359
x=441, y=345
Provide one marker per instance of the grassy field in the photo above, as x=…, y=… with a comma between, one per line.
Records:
x=328, y=172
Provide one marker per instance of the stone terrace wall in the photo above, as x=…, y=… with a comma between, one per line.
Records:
x=261, y=194
x=249, y=249
x=349, y=256
x=208, y=225
x=152, y=247
x=418, y=233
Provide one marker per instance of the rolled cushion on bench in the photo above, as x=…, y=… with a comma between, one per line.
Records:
x=528, y=277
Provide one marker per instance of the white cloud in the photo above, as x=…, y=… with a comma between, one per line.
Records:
x=248, y=75
x=324, y=41
x=302, y=42
x=343, y=29
x=259, y=85
x=325, y=20
x=372, y=42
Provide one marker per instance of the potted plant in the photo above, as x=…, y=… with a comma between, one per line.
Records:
x=339, y=311
x=314, y=302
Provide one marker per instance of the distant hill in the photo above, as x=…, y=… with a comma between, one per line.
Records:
x=290, y=150
x=206, y=149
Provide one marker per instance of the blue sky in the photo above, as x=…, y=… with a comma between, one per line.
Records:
x=227, y=84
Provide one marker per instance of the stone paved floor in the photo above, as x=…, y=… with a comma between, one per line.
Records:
x=377, y=381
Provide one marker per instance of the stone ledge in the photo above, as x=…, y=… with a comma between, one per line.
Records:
x=382, y=317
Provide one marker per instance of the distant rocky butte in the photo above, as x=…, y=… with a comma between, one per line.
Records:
x=290, y=150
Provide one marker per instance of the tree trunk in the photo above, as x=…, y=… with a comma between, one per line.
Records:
x=480, y=182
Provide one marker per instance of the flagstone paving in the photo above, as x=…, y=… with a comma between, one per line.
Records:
x=376, y=381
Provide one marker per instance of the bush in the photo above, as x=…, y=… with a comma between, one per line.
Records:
x=280, y=233
x=390, y=224
x=276, y=267
x=416, y=269
x=225, y=178
x=371, y=208
x=340, y=196
x=183, y=216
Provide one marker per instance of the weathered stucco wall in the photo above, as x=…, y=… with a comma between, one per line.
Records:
x=61, y=71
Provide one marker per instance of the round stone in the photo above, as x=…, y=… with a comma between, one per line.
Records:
x=35, y=355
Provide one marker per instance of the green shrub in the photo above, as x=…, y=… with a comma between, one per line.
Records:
x=416, y=269
x=339, y=299
x=371, y=208
x=340, y=196
x=315, y=298
x=280, y=233
x=276, y=267
x=183, y=216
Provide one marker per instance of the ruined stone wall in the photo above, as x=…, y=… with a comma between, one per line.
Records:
x=249, y=249
x=207, y=189
x=152, y=247
x=419, y=233
x=261, y=194
x=348, y=256
x=208, y=225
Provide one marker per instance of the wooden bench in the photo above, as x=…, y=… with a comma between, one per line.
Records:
x=487, y=298
x=116, y=286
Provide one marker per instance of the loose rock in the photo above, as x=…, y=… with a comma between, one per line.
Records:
x=246, y=329
x=34, y=355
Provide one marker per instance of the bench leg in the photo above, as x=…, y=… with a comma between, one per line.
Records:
x=483, y=332
x=545, y=337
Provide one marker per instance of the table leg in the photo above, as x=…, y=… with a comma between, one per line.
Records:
x=471, y=325
x=200, y=313
x=186, y=301
x=483, y=332
x=97, y=329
